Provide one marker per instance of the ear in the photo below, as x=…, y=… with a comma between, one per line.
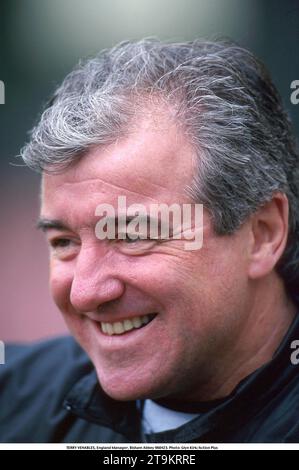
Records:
x=269, y=233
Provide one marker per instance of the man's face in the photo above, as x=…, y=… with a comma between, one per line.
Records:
x=196, y=300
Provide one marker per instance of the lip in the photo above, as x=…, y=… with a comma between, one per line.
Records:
x=107, y=319
x=124, y=340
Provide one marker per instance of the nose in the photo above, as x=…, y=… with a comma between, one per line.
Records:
x=95, y=281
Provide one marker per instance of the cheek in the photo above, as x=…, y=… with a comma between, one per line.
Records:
x=204, y=286
x=61, y=277
x=221, y=287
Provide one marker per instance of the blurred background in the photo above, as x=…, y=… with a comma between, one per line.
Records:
x=40, y=41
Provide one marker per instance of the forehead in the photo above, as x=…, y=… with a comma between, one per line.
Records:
x=155, y=162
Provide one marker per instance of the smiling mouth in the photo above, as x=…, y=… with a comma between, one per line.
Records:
x=124, y=326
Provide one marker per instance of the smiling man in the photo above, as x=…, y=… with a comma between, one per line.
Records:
x=171, y=344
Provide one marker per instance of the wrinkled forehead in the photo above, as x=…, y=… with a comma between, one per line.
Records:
x=153, y=162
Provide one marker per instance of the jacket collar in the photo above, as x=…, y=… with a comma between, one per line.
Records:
x=88, y=401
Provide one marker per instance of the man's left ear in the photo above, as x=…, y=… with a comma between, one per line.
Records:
x=269, y=233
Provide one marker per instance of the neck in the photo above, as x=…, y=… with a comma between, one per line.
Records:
x=269, y=317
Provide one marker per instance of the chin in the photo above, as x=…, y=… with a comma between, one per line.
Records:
x=121, y=389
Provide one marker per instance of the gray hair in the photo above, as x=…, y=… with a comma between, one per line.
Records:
x=227, y=103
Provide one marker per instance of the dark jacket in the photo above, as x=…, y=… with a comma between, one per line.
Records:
x=49, y=393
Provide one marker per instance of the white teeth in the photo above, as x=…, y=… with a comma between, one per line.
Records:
x=128, y=325
x=120, y=327
x=137, y=322
x=109, y=329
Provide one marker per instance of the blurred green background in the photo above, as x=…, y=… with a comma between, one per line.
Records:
x=40, y=41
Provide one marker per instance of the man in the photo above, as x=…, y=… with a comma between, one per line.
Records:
x=182, y=345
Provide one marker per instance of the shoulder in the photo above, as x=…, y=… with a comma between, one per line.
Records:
x=47, y=352
x=38, y=362
x=34, y=381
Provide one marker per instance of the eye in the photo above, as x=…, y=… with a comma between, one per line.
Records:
x=135, y=244
x=60, y=242
x=64, y=248
x=133, y=239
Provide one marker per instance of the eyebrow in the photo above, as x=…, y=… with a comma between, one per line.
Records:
x=143, y=218
x=45, y=224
